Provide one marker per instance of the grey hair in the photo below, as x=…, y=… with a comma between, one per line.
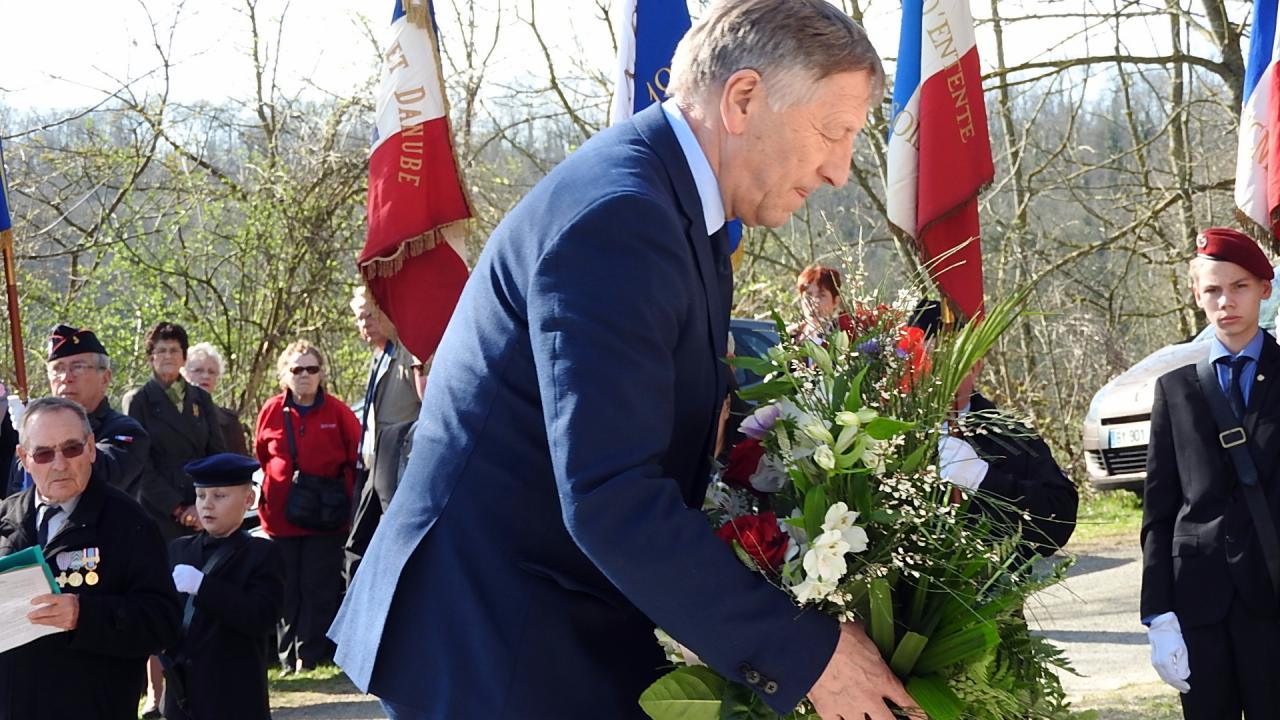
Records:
x=793, y=44
x=46, y=405
x=205, y=349
x=361, y=297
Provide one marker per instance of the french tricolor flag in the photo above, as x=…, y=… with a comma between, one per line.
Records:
x=939, y=151
x=1258, y=189
x=413, y=258
x=647, y=37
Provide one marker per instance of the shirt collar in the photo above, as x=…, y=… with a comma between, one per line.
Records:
x=1253, y=350
x=704, y=178
x=68, y=506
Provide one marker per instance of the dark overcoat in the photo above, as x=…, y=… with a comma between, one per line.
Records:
x=177, y=438
x=131, y=612
x=223, y=655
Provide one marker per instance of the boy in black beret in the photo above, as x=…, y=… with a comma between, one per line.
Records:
x=233, y=585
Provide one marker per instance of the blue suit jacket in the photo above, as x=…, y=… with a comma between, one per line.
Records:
x=549, y=515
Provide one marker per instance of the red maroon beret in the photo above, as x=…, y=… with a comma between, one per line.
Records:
x=1219, y=243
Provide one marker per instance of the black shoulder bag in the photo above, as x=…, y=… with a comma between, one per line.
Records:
x=1232, y=437
x=315, y=502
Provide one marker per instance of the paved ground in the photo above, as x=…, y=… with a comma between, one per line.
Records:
x=1093, y=616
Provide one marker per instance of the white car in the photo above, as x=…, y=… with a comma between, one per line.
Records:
x=1118, y=423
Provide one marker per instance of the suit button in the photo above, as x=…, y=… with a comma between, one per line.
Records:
x=770, y=687
x=1230, y=539
x=751, y=675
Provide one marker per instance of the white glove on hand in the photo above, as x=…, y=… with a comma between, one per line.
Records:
x=1169, y=652
x=187, y=579
x=959, y=463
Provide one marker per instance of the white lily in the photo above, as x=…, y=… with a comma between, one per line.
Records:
x=811, y=590
x=825, y=457
x=825, y=558
x=840, y=518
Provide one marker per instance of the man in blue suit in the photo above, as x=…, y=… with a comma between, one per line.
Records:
x=550, y=513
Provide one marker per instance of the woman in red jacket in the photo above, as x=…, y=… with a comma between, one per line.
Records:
x=325, y=436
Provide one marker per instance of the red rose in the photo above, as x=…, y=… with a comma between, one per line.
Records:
x=744, y=460
x=760, y=536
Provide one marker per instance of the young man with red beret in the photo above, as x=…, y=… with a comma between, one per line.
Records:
x=1210, y=559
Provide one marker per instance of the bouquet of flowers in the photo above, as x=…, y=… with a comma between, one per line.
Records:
x=837, y=499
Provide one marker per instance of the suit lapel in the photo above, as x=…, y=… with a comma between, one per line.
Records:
x=710, y=253
x=1262, y=414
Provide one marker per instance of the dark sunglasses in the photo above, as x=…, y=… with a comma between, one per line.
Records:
x=308, y=369
x=44, y=456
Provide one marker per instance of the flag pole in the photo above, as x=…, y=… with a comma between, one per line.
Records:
x=15, y=321
x=11, y=285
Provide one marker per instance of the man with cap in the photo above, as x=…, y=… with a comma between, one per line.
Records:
x=116, y=603
x=1212, y=493
x=80, y=370
x=233, y=585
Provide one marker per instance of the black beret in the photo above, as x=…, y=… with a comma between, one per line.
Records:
x=221, y=470
x=65, y=340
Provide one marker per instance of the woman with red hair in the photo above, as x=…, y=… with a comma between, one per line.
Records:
x=819, y=289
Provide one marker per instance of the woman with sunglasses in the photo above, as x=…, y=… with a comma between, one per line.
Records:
x=305, y=430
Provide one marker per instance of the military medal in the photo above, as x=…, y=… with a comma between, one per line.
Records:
x=62, y=559
x=195, y=410
x=75, y=579
x=92, y=556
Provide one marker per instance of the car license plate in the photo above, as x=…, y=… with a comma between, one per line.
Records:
x=1128, y=437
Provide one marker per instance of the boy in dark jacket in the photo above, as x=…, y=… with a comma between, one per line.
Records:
x=233, y=585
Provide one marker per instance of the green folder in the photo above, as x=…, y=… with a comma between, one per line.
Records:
x=28, y=558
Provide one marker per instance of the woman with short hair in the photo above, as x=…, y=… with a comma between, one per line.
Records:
x=205, y=368
x=305, y=436
x=182, y=421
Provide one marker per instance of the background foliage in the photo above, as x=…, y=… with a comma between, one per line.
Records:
x=241, y=218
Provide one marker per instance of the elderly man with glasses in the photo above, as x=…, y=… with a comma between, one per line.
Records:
x=80, y=370
x=117, y=603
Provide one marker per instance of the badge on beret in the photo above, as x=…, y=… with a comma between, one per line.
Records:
x=1201, y=241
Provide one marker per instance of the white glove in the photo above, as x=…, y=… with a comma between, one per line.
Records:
x=1169, y=652
x=959, y=463
x=187, y=579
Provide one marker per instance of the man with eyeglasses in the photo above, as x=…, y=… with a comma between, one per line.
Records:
x=80, y=370
x=117, y=603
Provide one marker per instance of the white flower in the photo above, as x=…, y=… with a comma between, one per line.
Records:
x=847, y=419
x=825, y=559
x=811, y=590
x=840, y=519
x=770, y=475
x=873, y=456
x=819, y=432
x=824, y=457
